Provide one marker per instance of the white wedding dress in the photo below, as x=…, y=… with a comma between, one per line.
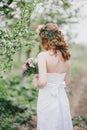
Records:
x=53, y=112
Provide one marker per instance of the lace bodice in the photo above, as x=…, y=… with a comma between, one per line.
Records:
x=54, y=82
x=55, y=77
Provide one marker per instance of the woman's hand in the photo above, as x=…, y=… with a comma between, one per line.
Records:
x=35, y=80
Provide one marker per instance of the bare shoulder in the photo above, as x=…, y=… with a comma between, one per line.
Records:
x=68, y=64
x=42, y=54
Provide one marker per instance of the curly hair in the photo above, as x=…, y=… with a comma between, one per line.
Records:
x=52, y=38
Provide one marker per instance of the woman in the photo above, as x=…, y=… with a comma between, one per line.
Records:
x=53, y=112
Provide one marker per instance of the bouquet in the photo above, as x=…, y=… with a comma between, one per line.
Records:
x=30, y=67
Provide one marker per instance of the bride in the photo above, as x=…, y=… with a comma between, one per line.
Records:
x=53, y=111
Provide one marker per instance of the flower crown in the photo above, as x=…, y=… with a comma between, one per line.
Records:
x=47, y=33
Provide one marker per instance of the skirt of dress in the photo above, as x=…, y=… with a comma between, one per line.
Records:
x=53, y=111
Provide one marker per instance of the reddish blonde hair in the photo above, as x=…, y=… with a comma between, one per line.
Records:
x=57, y=42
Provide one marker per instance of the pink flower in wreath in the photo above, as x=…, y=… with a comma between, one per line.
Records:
x=38, y=28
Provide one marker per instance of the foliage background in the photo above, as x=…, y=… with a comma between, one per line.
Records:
x=18, y=41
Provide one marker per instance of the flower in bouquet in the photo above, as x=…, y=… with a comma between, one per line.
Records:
x=30, y=67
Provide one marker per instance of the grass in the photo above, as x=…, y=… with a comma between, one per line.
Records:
x=79, y=61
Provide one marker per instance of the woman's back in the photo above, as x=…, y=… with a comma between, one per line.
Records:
x=50, y=63
x=56, y=63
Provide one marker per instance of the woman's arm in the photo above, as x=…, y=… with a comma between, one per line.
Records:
x=42, y=78
x=68, y=75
